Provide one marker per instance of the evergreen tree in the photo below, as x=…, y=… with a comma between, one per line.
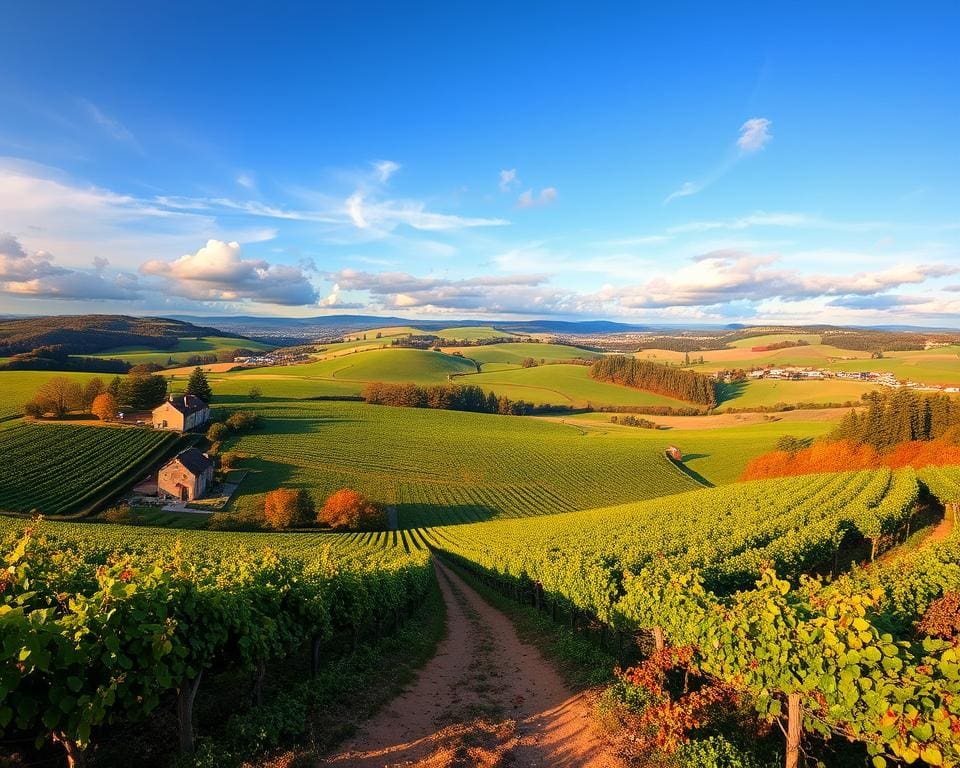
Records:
x=198, y=386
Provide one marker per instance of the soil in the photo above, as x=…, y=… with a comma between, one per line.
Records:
x=486, y=699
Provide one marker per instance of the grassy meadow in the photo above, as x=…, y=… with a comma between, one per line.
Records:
x=184, y=349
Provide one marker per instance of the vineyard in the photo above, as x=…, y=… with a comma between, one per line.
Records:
x=54, y=469
x=100, y=630
x=837, y=658
x=441, y=467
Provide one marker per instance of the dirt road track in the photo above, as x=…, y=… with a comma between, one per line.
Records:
x=486, y=699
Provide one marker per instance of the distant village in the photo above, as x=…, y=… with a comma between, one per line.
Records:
x=883, y=378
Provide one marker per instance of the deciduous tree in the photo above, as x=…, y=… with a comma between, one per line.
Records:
x=350, y=509
x=104, y=406
x=288, y=508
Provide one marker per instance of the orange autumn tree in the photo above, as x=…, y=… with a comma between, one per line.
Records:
x=844, y=456
x=288, y=508
x=104, y=406
x=349, y=509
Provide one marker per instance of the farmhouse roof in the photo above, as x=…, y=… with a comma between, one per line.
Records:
x=195, y=462
x=187, y=404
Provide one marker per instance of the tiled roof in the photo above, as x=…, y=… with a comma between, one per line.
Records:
x=195, y=462
x=187, y=404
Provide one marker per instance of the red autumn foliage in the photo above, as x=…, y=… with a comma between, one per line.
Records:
x=349, y=509
x=843, y=456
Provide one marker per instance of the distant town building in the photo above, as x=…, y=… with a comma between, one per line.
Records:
x=181, y=412
x=186, y=477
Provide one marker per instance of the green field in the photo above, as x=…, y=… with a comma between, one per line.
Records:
x=55, y=469
x=770, y=392
x=183, y=350
x=775, y=338
x=563, y=385
x=471, y=333
x=19, y=387
x=517, y=353
x=447, y=467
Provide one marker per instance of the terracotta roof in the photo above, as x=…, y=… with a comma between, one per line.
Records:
x=187, y=404
x=195, y=462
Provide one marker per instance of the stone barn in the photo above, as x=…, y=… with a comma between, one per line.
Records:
x=181, y=412
x=187, y=476
x=674, y=453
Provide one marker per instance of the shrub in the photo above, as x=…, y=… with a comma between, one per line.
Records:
x=216, y=432
x=942, y=617
x=229, y=460
x=349, y=509
x=119, y=514
x=719, y=752
x=240, y=421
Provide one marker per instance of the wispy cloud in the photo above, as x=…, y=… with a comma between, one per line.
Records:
x=754, y=135
x=110, y=125
x=385, y=169
x=528, y=199
x=509, y=179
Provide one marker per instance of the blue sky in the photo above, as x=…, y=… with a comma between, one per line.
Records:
x=782, y=163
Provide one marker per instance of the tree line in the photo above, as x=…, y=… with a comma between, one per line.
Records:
x=897, y=429
x=450, y=397
x=901, y=416
x=663, y=379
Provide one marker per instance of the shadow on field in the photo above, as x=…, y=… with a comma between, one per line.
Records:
x=420, y=515
x=731, y=391
x=692, y=473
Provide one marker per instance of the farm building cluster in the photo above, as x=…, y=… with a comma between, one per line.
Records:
x=883, y=378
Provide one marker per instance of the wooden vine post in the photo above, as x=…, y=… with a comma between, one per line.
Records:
x=794, y=729
x=658, y=642
x=185, y=697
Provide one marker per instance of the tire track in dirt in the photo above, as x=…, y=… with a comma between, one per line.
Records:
x=486, y=699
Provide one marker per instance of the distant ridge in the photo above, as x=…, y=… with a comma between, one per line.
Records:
x=89, y=334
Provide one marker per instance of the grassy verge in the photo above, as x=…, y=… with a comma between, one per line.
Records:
x=577, y=655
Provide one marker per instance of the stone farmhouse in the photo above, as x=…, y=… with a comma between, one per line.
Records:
x=187, y=476
x=181, y=412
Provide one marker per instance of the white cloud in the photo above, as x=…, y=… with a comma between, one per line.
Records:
x=754, y=134
x=529, y=200
x=508, y=179
x=246, y=180
x=385, y=169
x=36, y=276
x=685, y=190
x=218, y=272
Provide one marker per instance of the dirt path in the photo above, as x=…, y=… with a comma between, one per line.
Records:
x=486, y=699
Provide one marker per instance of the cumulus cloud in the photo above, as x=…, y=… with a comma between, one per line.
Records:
x=508, y=179
x=218, y=272
x=521, y=294
x=36, y=276
x=529, y=200
x=725, y=276
x=754, y=134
